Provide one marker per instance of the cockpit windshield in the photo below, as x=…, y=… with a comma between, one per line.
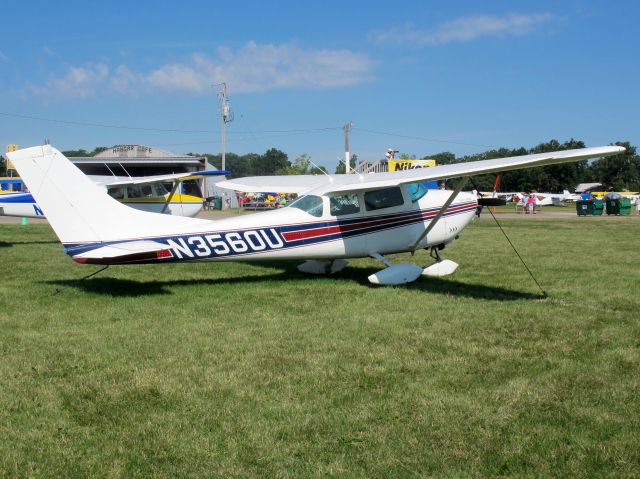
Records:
x=309, y=203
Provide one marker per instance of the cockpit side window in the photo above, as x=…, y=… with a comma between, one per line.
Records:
x=344, y=204
x=416, y=191
x=159, y=190
x=310, y=204
x=384, y=198
x=139, y=191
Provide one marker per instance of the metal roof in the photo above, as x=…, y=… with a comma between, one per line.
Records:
x=182, y=160
x=138, y=155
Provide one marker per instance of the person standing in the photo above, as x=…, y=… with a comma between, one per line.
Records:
x=638, y=205
x=531, y=204
x=391, y=153
x=478, y=195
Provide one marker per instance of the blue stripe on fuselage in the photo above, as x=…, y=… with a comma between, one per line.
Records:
x=246, y=241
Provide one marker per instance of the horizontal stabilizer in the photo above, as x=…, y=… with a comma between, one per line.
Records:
x=131, y=251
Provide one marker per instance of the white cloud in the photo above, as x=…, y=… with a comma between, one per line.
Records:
x=252, y=68
x=263, y=67
x=48, y=51
x=78, y=82
x=465, y=29
x=3, y=57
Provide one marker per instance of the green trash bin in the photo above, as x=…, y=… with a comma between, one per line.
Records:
x=613, y=206
x=598, y=207
x=625, y=206
x=217, y=202
x=584, y=207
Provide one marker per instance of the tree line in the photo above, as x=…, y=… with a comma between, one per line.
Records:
x=272, y=162
x=620, y=172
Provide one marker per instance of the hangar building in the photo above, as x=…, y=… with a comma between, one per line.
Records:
x=141, y=160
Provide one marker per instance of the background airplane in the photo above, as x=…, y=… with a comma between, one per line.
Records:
x=146, y=193
x=548, y=199
x=338, y=217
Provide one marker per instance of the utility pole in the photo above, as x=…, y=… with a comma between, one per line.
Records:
x=347, y=155
x=226, y=116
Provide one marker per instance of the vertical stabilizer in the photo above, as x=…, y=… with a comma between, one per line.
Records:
x=80, y=211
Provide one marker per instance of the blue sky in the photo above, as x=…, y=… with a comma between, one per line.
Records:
x=419, y=76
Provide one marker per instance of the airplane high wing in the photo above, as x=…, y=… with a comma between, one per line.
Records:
x=322, y=184
x=339, y=217
x=141, y=180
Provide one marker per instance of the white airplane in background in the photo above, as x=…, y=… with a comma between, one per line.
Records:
x=146, y=193
x=338, y=217
x=549, y=199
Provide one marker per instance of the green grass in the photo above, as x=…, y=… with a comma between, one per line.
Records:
x=240, y=370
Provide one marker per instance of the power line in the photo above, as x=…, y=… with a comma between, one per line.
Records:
x=100, y=125
x=275, y=133
x=435, y=140
x=162, y=130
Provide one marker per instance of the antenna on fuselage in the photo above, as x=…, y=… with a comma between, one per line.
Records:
x=319, y=168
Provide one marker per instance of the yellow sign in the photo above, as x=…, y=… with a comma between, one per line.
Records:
x=399, y=165
x=11, y=148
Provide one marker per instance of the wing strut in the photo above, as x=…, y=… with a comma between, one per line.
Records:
x=170, y=197
x=461, y=185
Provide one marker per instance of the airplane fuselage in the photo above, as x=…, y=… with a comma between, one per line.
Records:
x=293, y=234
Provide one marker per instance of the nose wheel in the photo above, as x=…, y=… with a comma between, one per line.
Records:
x=439, y=267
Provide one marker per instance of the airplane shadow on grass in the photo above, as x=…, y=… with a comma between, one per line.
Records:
x=132, y=288
x=8, y=244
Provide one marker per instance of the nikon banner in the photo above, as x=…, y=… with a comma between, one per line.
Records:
x=399, y=165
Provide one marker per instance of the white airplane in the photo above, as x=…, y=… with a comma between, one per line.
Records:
x=548, y=199
x=146, y=193
x=338, y=217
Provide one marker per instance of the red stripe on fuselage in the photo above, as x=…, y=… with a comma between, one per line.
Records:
x=330, y=230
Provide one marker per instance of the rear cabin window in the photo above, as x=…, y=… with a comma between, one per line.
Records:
x=344, y=205
x=385, y=198
x=139, y=191
x=310, y=204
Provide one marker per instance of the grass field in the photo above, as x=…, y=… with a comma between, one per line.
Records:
x=239, y=370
